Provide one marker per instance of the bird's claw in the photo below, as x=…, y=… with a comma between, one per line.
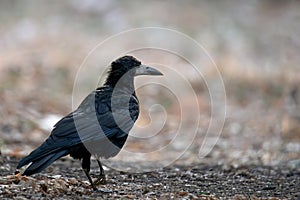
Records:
x=101, y=180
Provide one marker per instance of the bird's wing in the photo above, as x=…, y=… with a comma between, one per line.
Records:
x=96, y=119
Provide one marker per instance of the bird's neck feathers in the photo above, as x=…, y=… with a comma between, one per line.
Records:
x=120, y=80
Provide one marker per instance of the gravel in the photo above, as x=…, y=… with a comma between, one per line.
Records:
x=65, y=180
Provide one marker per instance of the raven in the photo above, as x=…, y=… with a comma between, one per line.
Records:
x=99, y=126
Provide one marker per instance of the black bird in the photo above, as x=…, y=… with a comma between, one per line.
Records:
x=99, y=126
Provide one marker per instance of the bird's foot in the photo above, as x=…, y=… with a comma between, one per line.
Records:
x=94, y=187
x=101, y=180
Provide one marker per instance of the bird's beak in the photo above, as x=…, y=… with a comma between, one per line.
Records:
x=146, y=70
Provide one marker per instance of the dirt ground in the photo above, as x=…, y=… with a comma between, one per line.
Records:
x=65, y=180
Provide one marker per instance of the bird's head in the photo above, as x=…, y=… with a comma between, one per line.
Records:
x=129, y=66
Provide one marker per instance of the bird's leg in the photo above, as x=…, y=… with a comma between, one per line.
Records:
x=86, y=163
x=86, y=171
x=101, y=179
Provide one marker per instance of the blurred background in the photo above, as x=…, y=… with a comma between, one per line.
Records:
x=255, y=44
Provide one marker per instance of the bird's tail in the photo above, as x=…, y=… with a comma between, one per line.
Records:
x=38, y=165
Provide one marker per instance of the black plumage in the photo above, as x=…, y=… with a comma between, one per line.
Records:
x=99, y=126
